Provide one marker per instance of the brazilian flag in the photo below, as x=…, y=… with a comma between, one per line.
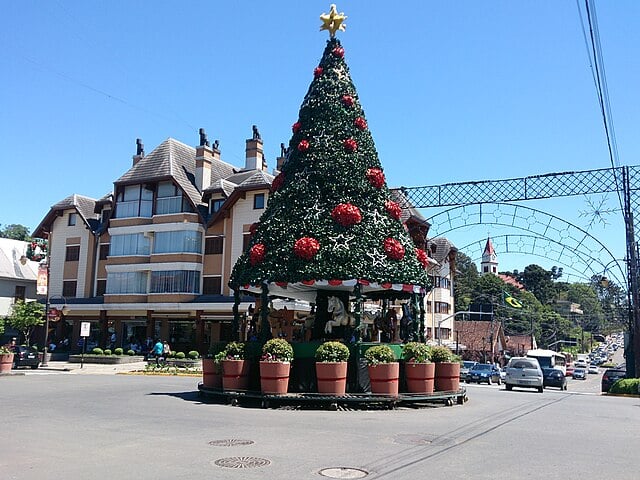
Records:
x=509, y=300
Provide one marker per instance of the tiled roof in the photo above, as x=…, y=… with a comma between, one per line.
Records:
x=488, y=248
x=408, y=210
x=511, y=281
x=221, y=185
x=246, y=178
x=170, y=159
x=85, y=207
x=476, y=335
x=442, y=248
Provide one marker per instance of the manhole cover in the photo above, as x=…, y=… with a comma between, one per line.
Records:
x=242, y=462
x=343, y=472
x=230, y=442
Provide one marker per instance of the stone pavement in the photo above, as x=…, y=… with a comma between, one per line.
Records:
x=91, y=368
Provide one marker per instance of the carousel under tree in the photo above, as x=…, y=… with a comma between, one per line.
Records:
x=330, y=227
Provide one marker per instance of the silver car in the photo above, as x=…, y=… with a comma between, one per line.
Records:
x=523, y=372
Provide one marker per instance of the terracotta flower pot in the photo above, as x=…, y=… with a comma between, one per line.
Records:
x=332, y=377
x=274, y=377
x=447, y=377
x=211, y=375
x=383, y=378
x=6, y=362
x=420, y=377
x=235, y=374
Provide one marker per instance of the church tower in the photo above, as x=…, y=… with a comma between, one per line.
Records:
x=489, y=262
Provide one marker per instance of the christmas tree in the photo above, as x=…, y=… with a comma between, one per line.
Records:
x=330, y=221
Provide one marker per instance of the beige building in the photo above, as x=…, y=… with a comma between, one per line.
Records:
x=152, y=258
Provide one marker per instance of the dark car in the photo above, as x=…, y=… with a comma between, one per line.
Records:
x=25, y=357
x=580, y=374
x=611, y=376
x=552, y=377
x=465, y=367
x=484, y=372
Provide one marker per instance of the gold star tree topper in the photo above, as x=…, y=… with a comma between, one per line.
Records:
x=333, y=21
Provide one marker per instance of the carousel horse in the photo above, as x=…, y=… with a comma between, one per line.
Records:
x=340, y=315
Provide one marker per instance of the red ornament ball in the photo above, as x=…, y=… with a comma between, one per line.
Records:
x=317, y=72
x=375, y=177
x=423, y=258
x=303, y=146
x=338, y=52
x=350, y=145
x=257, y=253
x=296, y=127
x=347, y=100
x=277, y=182
x=360, y=123
x=394, y=249
x=393, y=209
x=306, y=247
x=346, y=214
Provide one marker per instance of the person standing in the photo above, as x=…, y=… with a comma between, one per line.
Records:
x=158, y=350
x=166, y=349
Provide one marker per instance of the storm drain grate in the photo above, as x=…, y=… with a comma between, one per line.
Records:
x=230, y=442
x=343, y=472
x=242, y=462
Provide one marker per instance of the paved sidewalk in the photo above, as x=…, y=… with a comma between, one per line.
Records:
x=93, y=368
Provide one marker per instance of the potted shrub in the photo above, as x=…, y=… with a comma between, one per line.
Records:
x=6, y=359
x=447, y=372
x=212, y=367
x=331, y=367
x=235, y=369
x=275, y=365
x=384, y=370
x=418, y=369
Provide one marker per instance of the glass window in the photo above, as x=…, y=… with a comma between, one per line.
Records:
x=175, y=281
x=179, y=241
x=134, y=201
x=69, y=288
x=216, y=204
x=72, y=219
x=167, y=189
x=130, y=244
x=213, y=245
x=101, y=287
x=212, y=285
x=73, y=253
x=258, y=201
x=19, y=293
x=104, y=251
x=126, y=282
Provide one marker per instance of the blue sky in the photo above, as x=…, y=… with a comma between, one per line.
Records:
x=452, y=90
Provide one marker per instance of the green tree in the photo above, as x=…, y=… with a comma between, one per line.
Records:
x=330, y=215
x=584, y=294
x=25, y=316
x=15, y=232
x=465, y=281
x=538, y=281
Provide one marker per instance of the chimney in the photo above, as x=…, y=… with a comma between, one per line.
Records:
x=204, y=156
x=282, y=158
x=139, y=151
x=254, y=155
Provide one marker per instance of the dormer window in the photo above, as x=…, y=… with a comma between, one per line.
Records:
x=171, y=200
x=258, y=201
x=216, y=204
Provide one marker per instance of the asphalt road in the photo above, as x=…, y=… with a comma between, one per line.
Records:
x=67, y=426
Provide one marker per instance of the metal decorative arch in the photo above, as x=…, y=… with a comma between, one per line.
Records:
x=624, y=181
x=579, y=266
x=571, y=239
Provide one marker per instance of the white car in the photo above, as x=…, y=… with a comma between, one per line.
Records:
x=593, y=368
x=523, y=372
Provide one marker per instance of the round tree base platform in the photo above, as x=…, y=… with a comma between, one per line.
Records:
x=320, y=400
